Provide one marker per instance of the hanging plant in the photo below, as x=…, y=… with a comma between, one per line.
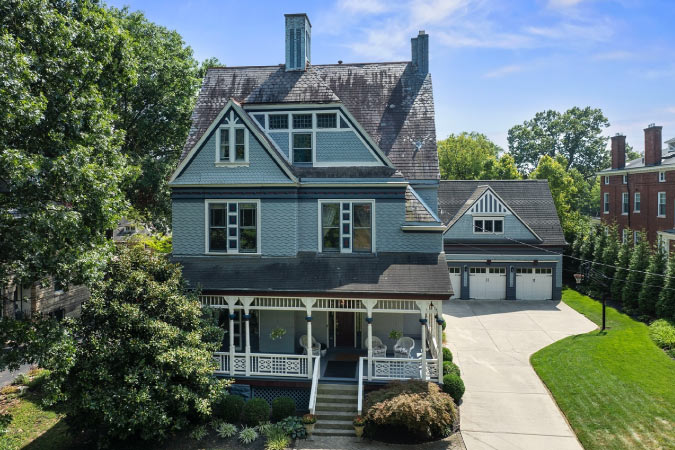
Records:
x=395, y=335
x=277, y=333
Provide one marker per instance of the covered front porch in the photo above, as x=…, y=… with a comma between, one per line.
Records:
x=270, y=337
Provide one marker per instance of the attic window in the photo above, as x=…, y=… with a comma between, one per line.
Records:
x=231, y=141
x=278, y=121
x=328, y=120
x=302, y=121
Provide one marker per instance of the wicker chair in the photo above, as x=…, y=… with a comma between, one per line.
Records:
x=379, y=349
x=317, y=348
x=404, y=347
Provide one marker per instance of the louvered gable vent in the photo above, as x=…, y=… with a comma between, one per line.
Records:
x=488, y=204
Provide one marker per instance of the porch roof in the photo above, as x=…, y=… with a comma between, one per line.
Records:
x=385, y=275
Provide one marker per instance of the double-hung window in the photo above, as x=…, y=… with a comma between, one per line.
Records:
x=605, y=202
x=624, y=203
x=625, y=179
x=231, y=141
x=346, y=226
x=488, y=225
x=302, y=142
x=662, y=177
x=636, y=203
x=624, y=235
x=606, y=179
x=233, y=226
x=662, y=204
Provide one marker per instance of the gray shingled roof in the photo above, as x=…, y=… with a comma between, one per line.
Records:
x=391, y=101
x=415, y=211
x=530, y=199
x=396, y=274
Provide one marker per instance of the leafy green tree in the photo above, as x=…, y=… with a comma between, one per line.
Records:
x=155, y=111
x=464, y=156
x=630, y=153
x=621, y=272
x=502, y=168
x=665, y=307
x=62, y=65
x=639, y=261
x=575, y=134
x=653, y=284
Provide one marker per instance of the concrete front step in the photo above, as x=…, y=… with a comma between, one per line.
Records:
x=333, y=424
x=346, y=433
x=336, y=391
x=350, y=399
x=347, y=407
x=335, y=415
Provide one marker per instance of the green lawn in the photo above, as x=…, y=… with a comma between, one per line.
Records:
x=617, y=388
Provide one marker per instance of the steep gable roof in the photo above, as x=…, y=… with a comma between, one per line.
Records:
x=392, y=102
x=530, y=200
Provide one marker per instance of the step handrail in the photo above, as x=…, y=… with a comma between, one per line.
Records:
x=315, y=384
x=359, y=408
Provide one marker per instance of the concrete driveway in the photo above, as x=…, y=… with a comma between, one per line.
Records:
x=506, y=406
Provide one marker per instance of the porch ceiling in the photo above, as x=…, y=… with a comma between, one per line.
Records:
x=394, y=275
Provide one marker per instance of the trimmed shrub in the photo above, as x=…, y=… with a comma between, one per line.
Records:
x=653, y=284
x=453, y=386
x=282, y=407
x=39, y=379
x=255, y=411
x=293, y=427
x=665, y=307
x=447, y=354
x=407, y=410
x=229, y=408
x=662, y=332
x=450, y=367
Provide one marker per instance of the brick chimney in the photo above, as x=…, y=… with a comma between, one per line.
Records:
x=298, y=40
x=652, y=145
x=618, y=151
x=420, y=52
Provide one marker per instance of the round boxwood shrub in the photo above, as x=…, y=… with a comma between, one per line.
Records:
x=255, y=411
x=447, y=354
x=282, y=407
x=450, y=367
x=409, y=412
x=229, y=408
x=454, y=386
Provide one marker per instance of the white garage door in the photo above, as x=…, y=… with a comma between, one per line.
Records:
x=534, y=284
x=455, y=280
x=487, y=283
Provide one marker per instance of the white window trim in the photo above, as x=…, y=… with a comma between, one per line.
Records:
x=625, y=179
x=484, y=218
x=232, y=124
x=624, y=235
x=208, y=202
x=662, y=176
x=606, y=179
x=658, y=204
x=373, y=237
x=605, y=203
x=637, y=204
x=625, y=195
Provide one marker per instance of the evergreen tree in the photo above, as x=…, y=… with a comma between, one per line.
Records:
x=608, y=257
x=665, y=307
x=653, y=284
x=620, y=273
x=586, y=253
x=596, y=280
x=639, y=261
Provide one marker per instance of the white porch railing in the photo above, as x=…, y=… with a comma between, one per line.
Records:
x=262, y=364
x=315, y=384
x=403, y=369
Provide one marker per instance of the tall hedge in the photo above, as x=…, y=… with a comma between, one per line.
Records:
x=665, y=307
x=653, y=283
x=622, y=262
x=639, y=261
x=597, y=281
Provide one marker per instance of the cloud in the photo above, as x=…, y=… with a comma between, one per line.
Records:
x=563, y=3
x=504, y=70
x=434, y=11
x=663, y=72
x=597, y=31
x=670, y=109
x=363, y=6
x=617, y=55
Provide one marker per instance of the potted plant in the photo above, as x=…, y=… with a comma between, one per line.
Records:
x=309, y=420
x=359, y=424
x=395, y=335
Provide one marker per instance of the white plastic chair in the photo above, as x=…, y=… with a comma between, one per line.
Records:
x=316, y=347
x=404, y=347
x=379, y=349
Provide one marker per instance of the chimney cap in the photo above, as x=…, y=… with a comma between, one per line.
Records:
x=299, y=15
x=339, y=61
x=421, y=33
x=619, y=135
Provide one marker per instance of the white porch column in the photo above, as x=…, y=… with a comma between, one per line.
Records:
x=309, y=302
x=424, y=307
x=439, y=338
x=370, y=304
x=230, y=304
x=247, y=318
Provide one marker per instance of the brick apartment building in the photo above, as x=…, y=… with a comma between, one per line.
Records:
x=639, y=195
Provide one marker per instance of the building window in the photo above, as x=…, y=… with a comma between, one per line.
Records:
x=232, y=141
x=662, y=204
x=454, y=270
x=260, y=118
x=636, y=206
x=625, y=179
x=302, y=147
x=605, y=202
x=546, y=271
x=624, y=235
x=636, y=237
x=328, y=120
x=346, y=226
x=233, y=226
x=624, y=203
x=302, y=121
x=484, y=225
x=278, y=121
x=606, y=180
x=662, y=177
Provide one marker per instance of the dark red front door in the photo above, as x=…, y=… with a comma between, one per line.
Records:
x=344, y=324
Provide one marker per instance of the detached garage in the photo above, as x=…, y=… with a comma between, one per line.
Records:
x=503, y=239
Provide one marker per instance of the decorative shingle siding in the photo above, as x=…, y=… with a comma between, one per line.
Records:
x=338, y=146
x=188, y=227
x=390, y=216
x=462, y=230
x=281, y=139
x=202, y=169
x=278, y=223
x=428, y=193
x=308, y=223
